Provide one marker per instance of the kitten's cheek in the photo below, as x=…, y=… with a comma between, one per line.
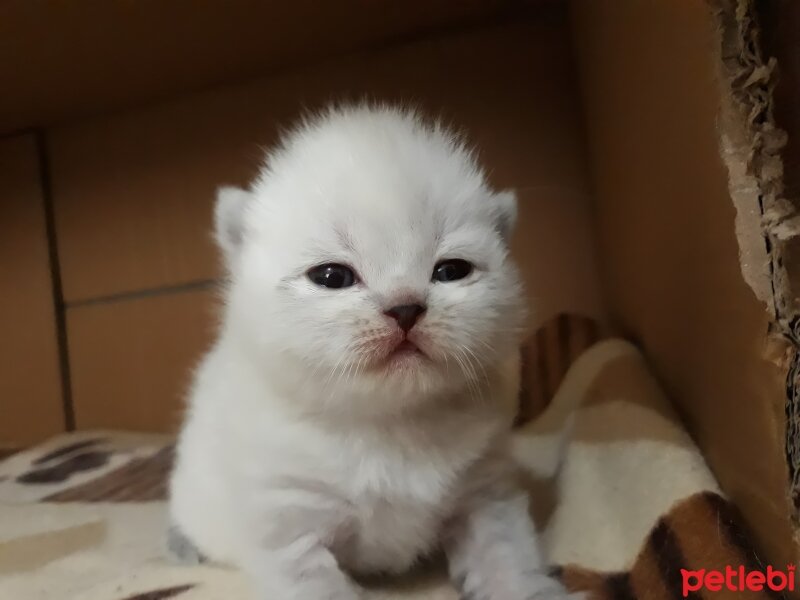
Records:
x=375, y=346
x=427, y=343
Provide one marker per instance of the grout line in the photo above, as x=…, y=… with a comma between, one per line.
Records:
x=191, y=286
x=55, y=279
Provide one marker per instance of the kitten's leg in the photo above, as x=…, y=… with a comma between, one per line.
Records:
x=291, y=558
x=491, y=546
x=303, y=570
x=181, y=548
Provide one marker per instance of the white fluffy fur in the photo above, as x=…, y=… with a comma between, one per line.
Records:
x=309, y=453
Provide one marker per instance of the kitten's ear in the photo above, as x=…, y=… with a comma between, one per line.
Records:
x=506, y=213
x=229, y=220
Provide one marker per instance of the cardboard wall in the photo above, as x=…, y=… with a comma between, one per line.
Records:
x=132, y=359
x=669, y=249
x=133, y=192
x=70, y=59
x=30, y=386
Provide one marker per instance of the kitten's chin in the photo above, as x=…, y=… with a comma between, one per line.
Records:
x=404, y=379
x=405, y=359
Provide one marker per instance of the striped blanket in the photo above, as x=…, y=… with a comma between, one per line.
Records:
x=626, y=503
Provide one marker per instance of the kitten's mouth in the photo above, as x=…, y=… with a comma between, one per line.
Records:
x=406, y=347
x=403, y=355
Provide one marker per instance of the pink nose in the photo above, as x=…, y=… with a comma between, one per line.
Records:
x=406, y=315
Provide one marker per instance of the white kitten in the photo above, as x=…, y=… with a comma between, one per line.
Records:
x=353, y=414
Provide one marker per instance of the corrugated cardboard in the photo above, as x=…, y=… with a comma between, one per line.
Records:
x=30, y=386
x=753, y=92
x=780, y=24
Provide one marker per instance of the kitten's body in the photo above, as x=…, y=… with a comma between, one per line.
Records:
x=315, y=444
x=389, y=483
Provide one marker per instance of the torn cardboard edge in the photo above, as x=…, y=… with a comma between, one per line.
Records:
x=767, y=223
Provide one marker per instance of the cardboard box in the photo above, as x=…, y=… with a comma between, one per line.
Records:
x=686, y=269
x=30, y=380
x=645, y=139
x=131, y=360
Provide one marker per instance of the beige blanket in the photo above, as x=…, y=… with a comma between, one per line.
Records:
x=625, y=503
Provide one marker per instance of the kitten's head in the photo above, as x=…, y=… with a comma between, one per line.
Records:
x=369, y=261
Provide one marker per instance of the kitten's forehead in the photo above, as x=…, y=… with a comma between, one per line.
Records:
x=380, y=222
x=362, y=178
x=400, y=234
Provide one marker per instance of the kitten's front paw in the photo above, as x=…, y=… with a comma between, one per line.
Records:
x=536, y=586
x=545, y=587
x=561, y=594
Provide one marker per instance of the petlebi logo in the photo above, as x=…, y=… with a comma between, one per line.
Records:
x=739, y=579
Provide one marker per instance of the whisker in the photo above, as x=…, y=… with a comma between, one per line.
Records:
x=468, y=370
x=489, y=348
x=478, y=363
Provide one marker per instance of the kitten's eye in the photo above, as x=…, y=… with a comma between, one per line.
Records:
x=332, y=276
x=451, y=270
